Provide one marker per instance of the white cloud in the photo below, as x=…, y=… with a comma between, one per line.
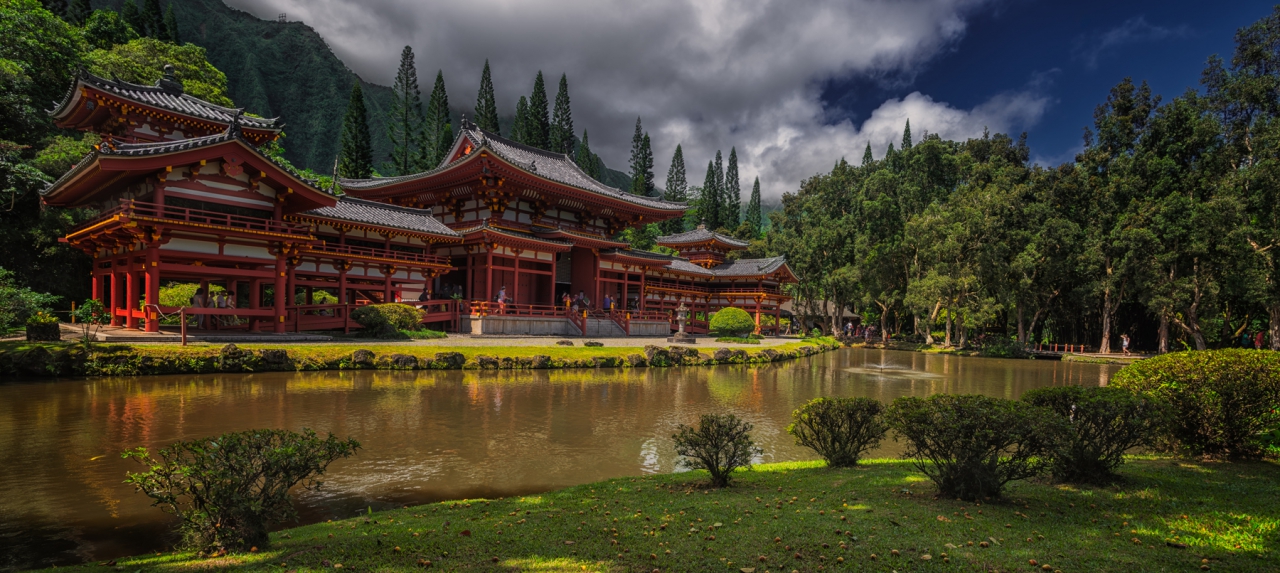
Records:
x=1091, y=47
x=708, y=74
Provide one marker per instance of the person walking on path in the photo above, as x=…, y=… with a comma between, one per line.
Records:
x=199, y=300
x=1257, y=341
x=1124, y=343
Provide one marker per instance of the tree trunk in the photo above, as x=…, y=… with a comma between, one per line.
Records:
x=947, y=343
x=884, y=319
x=1022, y=328
x=1104, y=347
x=1163, y=334
x=1273, y=312
x=962, y=332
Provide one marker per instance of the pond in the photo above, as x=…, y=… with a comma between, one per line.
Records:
x=427, y=435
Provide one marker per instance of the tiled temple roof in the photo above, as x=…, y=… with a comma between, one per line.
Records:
x=557, y=167
x=700, y=235
x=738, y=268
x=166, y=94
x=383, y=215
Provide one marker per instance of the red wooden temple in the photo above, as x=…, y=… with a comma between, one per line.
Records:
x=185, y=195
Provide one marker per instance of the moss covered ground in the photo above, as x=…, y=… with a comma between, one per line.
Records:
x=1167, y=515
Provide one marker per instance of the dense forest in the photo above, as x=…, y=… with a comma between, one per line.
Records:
x=1164, y=228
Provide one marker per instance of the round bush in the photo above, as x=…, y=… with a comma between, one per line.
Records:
x=971, y=446
x=1222, y=400
x=841, y=430
x=391, y=317
x=1105, y=422
x=732, y=321
x=720, y=444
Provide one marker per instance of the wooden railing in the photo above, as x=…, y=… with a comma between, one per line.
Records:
x=485, y=308
x=130, y=209
x=665, y=285
x=371, y=252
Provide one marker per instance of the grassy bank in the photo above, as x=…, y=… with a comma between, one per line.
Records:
x=1167, y=515
x=69, y=359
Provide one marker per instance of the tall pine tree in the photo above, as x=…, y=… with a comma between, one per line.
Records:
x=437, y=133
x=171, y=25
x=636, y=163
x=709, y=201
x=754, y=218
x=404, y=122
x=721, y=215
x=538, y=122
x=677, y=191
x=650, y=187
x=732, y=210
x=520, y=129
x=153, y=19
x=586, y=160
x=561, y=136
x=356, y=161
x=906, y=136
x=487, y=104
x=79, y=12
x=867, y=158
x=132, y=16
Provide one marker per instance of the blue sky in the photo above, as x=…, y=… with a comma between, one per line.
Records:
x=793, y=85
x=1072, y=51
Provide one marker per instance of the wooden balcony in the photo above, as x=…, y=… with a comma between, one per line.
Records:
x=131, y=211
x=375, y=254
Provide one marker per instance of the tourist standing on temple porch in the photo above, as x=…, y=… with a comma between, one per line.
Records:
x=608, y=303
x=566, y=301
x=199, y=300
x=583, y=301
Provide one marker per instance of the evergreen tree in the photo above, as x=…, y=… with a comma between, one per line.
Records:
x=650, y=187
x=584, y=159
x=58, y=7
x=153, y=19
x=906, y=136
x=79, y=12
x=171, y=26
x=867, y=158
x=754, y=218
x=404, y=122
x=487, y=104
x=721, y=202
x=538, y=122
x=561, y=137
x=636, y=163
x=519, y=128
x=437, y=133
x=356, y=161
x=677, y=191
x=732, y=210
x=132, y=16
x=709, y=199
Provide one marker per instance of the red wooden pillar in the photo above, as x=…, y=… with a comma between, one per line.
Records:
x=281, y=283
x=644, y=283
x=113, y=298
x=255, y=301
x=758, y=299
x=488, y=270
x=342, y=281
x=515, y=288
x=153, y=288
x=387, y=271
x=131, y=296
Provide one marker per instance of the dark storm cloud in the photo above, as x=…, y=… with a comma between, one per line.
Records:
x=705, y=74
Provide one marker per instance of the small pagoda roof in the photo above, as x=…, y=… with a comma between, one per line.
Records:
x=138, y=159
x=374, y=214
x=699, y=236
x=166, y=95
x=741, y=268
x=513, y=236
x=646, y=258
x=578, y=238
x=555, y=167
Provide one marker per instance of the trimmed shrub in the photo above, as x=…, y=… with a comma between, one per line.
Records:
x=841, y=430
x=423, y=334
x=1222, y=400
x=387, y=320
x=43, y=327
x=971, y=446
x=228, y=490
x=738, y=340
x=732, y=321
x=1105, y=423
x=720, y=444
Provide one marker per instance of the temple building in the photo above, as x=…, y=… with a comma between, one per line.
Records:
x=500, y=238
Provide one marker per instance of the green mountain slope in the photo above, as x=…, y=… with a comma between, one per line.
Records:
x=281, y=69
x=286, y=69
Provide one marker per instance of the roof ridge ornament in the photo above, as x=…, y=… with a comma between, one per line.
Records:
x=169, y=81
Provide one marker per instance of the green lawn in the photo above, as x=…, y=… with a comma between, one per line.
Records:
x=1167, y=515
